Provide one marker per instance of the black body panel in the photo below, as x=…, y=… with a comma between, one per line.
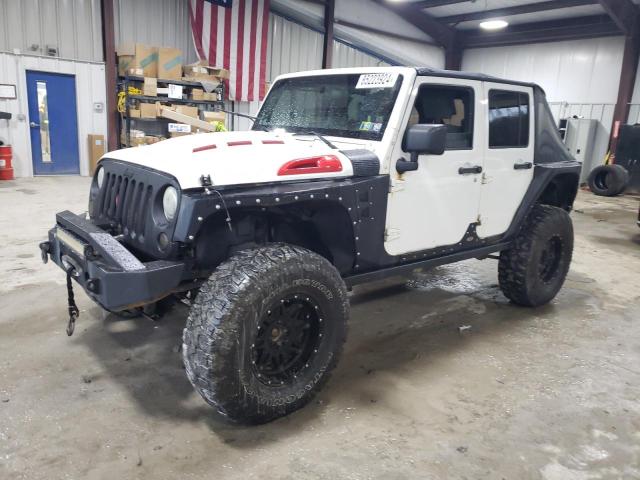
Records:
x=109, y=273
x=130, y=204
x=365, y=163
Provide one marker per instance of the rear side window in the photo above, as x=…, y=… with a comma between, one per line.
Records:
x=508, y=119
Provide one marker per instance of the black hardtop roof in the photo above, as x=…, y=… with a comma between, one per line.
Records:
x=435, y=72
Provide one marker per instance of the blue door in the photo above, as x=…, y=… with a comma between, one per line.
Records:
x=53, y=121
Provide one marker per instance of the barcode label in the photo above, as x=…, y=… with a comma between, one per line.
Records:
x=377, y=80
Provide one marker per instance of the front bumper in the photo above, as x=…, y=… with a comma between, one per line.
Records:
x=109, y=273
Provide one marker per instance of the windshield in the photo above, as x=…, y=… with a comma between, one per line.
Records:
x=355, y=106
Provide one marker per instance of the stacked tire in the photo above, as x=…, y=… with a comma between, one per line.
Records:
x=608, y=180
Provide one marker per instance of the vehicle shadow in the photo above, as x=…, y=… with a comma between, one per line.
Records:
x=392, y=324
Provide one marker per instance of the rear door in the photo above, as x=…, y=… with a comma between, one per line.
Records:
x=508, y=155
x=53, y=122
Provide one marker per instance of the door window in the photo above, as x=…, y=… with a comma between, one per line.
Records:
x=508, y=119
x=43, y=110
x=448, y=105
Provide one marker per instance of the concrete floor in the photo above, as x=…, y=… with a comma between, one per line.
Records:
x=552, y=393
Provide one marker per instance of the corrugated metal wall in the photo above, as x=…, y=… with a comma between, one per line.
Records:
x=580, y=71
x=346, y=56
x=580, y=77
x=70, y=26
x=73, y=27
x=164, y=23
x=90, y=88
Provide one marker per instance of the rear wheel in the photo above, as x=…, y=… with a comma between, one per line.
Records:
x=265, y=331
x=533, y=270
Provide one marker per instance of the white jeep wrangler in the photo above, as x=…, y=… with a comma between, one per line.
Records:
x=347, y=176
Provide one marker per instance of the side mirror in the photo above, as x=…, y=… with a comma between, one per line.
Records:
x=421, y=138
x=425, y=138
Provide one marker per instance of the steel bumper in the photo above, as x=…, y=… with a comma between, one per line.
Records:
x=109, y=273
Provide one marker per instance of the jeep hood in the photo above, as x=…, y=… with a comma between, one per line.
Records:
x=231, y=158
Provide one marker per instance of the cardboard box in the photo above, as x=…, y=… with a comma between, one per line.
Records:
x=138, y=55
x=197, y=94
x=96, y=151
x=201, y=71
x=210, y=96
x=186, y=110
x=134, y=113
x=178, y=134
x=148, y=110
x=169, y=63
x=150, y=87
x=136, y=72
x=213, y=116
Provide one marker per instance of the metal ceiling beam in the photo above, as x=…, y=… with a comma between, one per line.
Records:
x=517, y=10
x=442, y=34
x=624, y=13
x=437, y=3
x=551, y=31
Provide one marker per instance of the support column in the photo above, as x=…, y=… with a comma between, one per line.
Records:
x=327, y=44
x=625, y=90
x=110, y=72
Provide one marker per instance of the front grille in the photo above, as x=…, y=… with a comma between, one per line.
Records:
x=125, y=202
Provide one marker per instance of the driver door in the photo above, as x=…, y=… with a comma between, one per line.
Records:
x=434, y=205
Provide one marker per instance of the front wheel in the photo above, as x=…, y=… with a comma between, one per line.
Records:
x=533, y=269
x=265, y=331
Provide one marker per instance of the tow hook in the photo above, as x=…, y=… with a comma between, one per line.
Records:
x=45, y=250
x=71, y=303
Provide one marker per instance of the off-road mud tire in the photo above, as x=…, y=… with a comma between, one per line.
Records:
x=608, y=180
x=524, y=275
x=218, y=340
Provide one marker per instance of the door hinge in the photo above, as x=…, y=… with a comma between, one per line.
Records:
x=485, y=178
x=391, y=234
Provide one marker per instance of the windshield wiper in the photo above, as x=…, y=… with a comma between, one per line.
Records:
x=317, y=135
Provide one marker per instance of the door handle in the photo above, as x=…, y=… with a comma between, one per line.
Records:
x=468, y=170
x=34, y=124
x=522, y=166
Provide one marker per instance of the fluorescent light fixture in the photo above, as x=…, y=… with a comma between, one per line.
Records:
x=493, y=24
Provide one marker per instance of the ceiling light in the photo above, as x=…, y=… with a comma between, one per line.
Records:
x=493, y=24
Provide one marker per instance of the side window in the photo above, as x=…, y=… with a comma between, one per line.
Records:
x=451, y=106
x=508, y=119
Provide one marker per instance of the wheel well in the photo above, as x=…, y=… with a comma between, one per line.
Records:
x=561, y=191
x=322, y=227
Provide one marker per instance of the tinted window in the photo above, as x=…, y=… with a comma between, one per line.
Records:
x=508, y=119
x=451, y=106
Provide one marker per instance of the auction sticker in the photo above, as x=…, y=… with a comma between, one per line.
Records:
x=377, y=80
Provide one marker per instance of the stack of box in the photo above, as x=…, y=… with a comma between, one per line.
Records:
x=139, y=57
x=202, y=72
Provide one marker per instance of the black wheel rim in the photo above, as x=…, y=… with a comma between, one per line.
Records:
x=550, y=259
x=288, y=335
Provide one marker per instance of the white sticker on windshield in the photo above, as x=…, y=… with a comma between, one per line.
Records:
x=377, y=80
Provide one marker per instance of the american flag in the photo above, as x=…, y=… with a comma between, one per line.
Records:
x=233, y=34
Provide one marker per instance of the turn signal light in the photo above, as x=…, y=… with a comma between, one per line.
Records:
x=304, y=166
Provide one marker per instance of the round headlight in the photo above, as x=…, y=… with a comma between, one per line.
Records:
x=170, y=203
x=100, y=177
